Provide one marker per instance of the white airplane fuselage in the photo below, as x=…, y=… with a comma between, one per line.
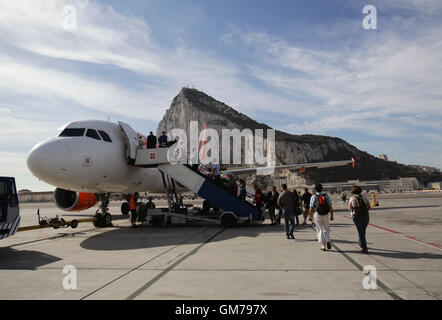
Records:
x=86, y=164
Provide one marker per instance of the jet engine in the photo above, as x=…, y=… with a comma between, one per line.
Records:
x=74, y=201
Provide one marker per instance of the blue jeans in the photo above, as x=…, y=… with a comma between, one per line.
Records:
x=289, y=218
x=361, y=223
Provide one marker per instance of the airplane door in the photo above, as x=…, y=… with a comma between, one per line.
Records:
x=131, y=140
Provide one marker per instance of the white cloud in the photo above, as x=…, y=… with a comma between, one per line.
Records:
x=27, y=79
x=102, y=35
x=394, y=74
x=355, y=89
x=13, y=164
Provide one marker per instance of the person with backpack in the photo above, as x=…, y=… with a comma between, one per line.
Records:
x=286, y=202
x=320, y=207
x=359, y=206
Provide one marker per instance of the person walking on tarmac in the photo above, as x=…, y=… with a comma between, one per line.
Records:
x=343, y=197
x=359, y=206
x=150, y=204
x=259, y=202
x=306, y=196
x=272, y=199
x=320, y=207
x=133, y=209
x=297, y=206
x=286, y=202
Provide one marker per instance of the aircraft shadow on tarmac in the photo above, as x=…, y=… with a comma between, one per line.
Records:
x=11, y=259
x=125, y=238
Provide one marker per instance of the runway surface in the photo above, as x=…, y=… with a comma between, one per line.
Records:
x=201, y=261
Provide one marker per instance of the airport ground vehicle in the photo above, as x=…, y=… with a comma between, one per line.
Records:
x=10, y=213
x=9, y=208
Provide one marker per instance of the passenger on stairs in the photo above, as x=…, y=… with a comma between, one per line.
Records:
x=151, y=141
x=242, y=189
x=162, y=140
x=231, y=185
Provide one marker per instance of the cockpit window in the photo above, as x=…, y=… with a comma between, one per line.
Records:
x=72, y=132
x=105, y=136
x=91, y=133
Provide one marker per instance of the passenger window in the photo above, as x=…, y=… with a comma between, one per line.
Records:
x=105, y=136
x=91, y=133
x=72, y=132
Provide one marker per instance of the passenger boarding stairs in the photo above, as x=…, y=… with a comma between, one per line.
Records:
x=173, y=166
x=172, y=163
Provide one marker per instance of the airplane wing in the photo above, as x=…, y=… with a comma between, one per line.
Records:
x=300, y=166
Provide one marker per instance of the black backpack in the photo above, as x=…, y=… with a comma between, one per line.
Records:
x=360, y=207
x=323, y=206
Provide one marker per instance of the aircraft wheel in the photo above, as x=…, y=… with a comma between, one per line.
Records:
x=157, y=221
x=206, y=206
x=107, y=220
x=74, y=224
x=228, y=219
x=125, y=208
x=250, y=220
x=100, y=220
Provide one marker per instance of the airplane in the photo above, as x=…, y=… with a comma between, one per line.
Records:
x=88, y=160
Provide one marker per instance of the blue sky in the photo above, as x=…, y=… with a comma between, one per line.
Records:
x=299, y=66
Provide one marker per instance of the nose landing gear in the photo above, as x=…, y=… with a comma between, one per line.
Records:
x=103, y=219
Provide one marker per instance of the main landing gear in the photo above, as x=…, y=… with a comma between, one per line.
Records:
x=103, y=218
x=125, y=207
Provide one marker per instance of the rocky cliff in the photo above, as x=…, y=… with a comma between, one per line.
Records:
x=193, y=105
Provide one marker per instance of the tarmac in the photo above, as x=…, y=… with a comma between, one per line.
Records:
x=205, y=261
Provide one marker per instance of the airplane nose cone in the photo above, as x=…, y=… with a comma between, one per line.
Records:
x=48, y=159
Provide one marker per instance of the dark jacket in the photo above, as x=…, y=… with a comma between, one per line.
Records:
x=151, y=141
x=287, y=202
x=306, y=199
x=272, y=200
x=162, y=140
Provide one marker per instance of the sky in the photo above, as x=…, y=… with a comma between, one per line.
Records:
x=298, y=66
